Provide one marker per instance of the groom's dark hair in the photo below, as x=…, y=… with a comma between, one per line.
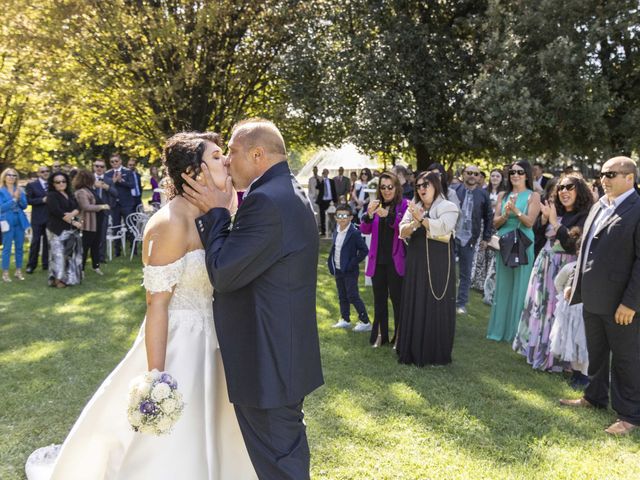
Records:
x=183, y=154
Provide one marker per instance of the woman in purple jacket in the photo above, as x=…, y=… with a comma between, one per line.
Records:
x=386, y=255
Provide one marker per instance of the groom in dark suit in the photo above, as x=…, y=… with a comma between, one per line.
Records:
x=607, y=282
x=264, y=271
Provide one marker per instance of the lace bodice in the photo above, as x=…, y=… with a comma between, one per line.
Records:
x=191, y=301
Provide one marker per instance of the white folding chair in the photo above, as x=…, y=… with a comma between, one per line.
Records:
x=115, y=233
x=136, y=223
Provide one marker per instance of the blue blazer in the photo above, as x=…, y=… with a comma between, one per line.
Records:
x=354, y=250
x=35, y=197
x=123, y=188
x=264, y=272
x=12, y=211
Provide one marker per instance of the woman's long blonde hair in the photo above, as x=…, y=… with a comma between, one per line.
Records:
x=3, y=176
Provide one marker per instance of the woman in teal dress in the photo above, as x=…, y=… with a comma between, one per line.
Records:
x=517, y=207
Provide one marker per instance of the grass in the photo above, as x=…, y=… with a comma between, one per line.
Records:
x=486, y=416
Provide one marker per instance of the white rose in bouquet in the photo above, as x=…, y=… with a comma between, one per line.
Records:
x=160, y=392
x=169, y=405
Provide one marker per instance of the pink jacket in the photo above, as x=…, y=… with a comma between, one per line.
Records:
x=398, y=248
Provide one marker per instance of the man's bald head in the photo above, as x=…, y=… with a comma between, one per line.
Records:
x=623, y=165
x=259, y=132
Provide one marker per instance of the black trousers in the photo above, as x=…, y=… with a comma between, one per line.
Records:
x=103, y=222
x=386, y=283
x=39, y=235
x=323, y=205
x=91, y=241
x=618, y=347
x=348, y=294
x=276, y=440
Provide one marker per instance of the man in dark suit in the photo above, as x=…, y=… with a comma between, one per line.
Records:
x=539, y=180
x=121, y=178
x=607, y=282
x=326, y=194
x=264, y=270
x=136, y=192
x=36, y=192
x=342, y=185
x=106, y=193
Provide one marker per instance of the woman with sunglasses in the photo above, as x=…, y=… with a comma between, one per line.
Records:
x=14, y=222
x=386, y=254
x=359, y=197
x=63, y=231
x=428, y=306
x=564, y=210
x=517, y=208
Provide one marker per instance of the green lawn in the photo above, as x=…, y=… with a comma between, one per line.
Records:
x=486, y=416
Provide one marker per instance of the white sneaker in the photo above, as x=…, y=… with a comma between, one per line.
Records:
x=342, y=324
x=362, y=327
x=98, y=271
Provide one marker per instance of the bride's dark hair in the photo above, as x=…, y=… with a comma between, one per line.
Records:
x=182, y=153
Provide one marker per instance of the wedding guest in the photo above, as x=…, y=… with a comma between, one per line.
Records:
x=155, y=185
x=347, y=251
x=37, y=197
x=106, y=193
x=326, y=195
x=473, y=231
x=539, y=180
x=386, y=255
x=482, y=180
x=83, y=185
x=342, y=184
x=438, y=169
x=123, y=182
x=136, y=191
x=516, y=210
x=606, y=281
x=568, y=209
x=359, y=196
x=14, y=222
x=402, y=173
x=540, y=230
x=63, y=231
x=484, y=273
x=428, y=306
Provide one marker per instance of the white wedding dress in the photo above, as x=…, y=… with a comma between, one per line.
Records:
x=205, y=444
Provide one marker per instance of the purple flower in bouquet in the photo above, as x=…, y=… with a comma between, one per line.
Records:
x=169, y=380
x=148, y=408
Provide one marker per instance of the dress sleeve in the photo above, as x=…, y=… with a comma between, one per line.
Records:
x=162, y=278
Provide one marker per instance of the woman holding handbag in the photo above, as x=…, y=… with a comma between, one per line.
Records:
x=428, y=306
x=516, y=208
x=13, y=221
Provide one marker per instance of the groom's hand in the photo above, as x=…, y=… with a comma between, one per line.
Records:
x=207, y=196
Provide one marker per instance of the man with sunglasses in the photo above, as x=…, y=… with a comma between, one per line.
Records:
x=105, y=193
x=475, y=220
x=607, y=282
x=36, y=192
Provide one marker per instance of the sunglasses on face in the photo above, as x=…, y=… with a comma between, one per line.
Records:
x=342, y=216
x=517, y=172
x=58, y=182
x=386, y=187
x=568, y=187
x=422, y=185
x=13, y=175
x=611, y=174
x=475, y=174
x=44, y=171
x=99, y=166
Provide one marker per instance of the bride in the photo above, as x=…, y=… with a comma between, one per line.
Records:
x=177, y=336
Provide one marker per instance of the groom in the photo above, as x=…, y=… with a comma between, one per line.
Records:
x=264, y=272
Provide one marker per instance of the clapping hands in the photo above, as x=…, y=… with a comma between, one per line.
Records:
x=416, y=211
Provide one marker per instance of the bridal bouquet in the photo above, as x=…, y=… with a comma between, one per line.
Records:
x=155, y=404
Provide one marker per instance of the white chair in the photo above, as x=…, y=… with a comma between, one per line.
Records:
x=136, y=223
x=115, y=233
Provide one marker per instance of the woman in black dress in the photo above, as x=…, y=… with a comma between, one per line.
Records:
x=428, y=306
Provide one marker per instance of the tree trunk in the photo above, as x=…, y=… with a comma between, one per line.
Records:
x=423, y=157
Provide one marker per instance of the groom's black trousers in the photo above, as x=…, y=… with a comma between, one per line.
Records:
x=276, y=440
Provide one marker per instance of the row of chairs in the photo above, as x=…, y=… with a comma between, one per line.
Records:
x=134, y=224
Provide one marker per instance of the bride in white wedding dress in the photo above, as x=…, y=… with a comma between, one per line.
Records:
x=177, y=336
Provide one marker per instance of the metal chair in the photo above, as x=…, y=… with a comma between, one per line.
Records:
x=115, y=233
x=136, y=223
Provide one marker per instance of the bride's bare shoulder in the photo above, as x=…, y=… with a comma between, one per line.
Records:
x=165, y=237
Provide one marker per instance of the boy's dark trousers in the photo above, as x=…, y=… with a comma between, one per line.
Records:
x=347, y=284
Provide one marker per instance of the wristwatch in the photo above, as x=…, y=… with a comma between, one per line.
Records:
x=519, y=214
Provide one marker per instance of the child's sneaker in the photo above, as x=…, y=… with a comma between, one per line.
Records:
x=342, y=324
x=362, y=327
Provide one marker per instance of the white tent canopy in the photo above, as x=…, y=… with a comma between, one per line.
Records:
x=347, y=156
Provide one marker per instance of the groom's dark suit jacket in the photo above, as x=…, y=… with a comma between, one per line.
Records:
x=264, y=273
x=612, y=275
